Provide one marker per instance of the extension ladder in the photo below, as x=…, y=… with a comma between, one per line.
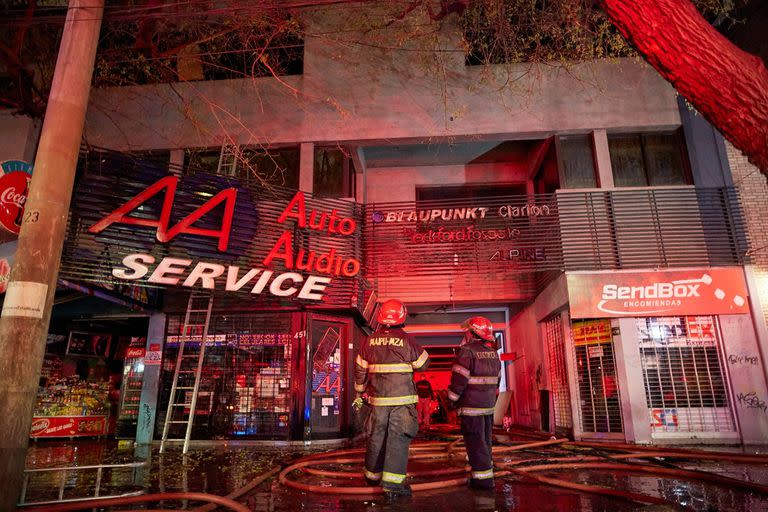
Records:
x=189, y=367
x=228, y=160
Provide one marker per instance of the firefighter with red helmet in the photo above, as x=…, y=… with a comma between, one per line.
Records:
x=384, y=370
x=473, y=389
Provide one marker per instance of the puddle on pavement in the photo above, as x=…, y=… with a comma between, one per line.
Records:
x=221, y=470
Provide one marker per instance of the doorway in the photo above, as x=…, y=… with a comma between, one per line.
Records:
x=327, y=370
x=600, y=402
x=558, y=374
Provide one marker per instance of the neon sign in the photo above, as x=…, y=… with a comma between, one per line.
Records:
x=184, y=272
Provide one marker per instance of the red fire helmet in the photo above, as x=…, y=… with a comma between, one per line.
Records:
x=480, y=326
x=392, y=312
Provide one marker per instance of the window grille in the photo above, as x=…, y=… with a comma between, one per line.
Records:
x=246, y=381
x=600, y=402
x=685, y=387
x=558, y=372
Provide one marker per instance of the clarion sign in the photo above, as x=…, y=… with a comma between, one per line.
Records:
x=713, y=291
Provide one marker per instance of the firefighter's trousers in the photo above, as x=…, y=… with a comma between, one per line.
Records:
x=478, y=438
x=391, y=430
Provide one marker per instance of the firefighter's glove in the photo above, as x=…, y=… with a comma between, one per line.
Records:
x=357, y=404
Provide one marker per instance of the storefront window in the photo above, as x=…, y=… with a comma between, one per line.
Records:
x=246, y=379
x=684, y=383
x=90, y=382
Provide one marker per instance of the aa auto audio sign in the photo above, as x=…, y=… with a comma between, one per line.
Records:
x=205, y=235
x=706, y=291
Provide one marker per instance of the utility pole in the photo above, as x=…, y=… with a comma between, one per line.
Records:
x=27, y=308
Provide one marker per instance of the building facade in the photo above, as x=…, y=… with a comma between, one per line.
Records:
x=605, y=229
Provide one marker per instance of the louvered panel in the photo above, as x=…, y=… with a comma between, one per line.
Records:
x=505, y=248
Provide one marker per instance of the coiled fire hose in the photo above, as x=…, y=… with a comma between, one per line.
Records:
x=213, y=500
x=443, y=452
x=220, y=501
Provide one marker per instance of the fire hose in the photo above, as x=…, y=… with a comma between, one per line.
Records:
x=524, y=469
x=127, y=500
x=213, y=500
x=434, y=451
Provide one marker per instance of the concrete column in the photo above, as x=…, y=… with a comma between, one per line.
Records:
x=150, y=385
x=602, y=159
x=361, y=173
x=746, y=372
x=756, y=305
x=629, y=373
x=176, y=162
x=307, y=167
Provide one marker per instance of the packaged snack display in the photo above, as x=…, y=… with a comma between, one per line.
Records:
x=70, y=407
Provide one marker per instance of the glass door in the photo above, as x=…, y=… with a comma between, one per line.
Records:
x=328, y=341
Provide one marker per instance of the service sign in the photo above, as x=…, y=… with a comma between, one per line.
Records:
x=705, y=291
x=211, y=232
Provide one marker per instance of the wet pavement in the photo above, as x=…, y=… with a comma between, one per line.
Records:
x=222, y=469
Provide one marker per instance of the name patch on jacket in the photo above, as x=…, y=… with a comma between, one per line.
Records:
x=395, y=342
x=487, y=355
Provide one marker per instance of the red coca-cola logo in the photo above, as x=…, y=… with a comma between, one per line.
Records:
x=40, y=425
x=10, y=195
x=13, y=195
x=134, y=352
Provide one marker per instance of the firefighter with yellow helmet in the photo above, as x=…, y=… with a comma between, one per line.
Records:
x=384, y=371
x=473, y=389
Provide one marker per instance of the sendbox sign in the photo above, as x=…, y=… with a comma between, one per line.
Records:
x=706, y=291
x=206, y=233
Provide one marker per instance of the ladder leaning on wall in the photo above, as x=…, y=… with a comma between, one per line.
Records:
x=189, y=366
x=228, y=160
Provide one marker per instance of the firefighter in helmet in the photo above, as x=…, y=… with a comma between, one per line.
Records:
x=474, y=385
x=384, y=370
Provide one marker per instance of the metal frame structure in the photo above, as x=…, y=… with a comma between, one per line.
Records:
x=96, y=490
x=180, y=372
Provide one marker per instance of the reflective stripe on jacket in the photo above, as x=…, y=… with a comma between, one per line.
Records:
x=385, y=365
x=475, y=376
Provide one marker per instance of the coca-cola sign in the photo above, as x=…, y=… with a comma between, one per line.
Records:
x=40, y=425
x=14, y=187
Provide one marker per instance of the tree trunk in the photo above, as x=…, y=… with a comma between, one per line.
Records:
x=728, y=86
